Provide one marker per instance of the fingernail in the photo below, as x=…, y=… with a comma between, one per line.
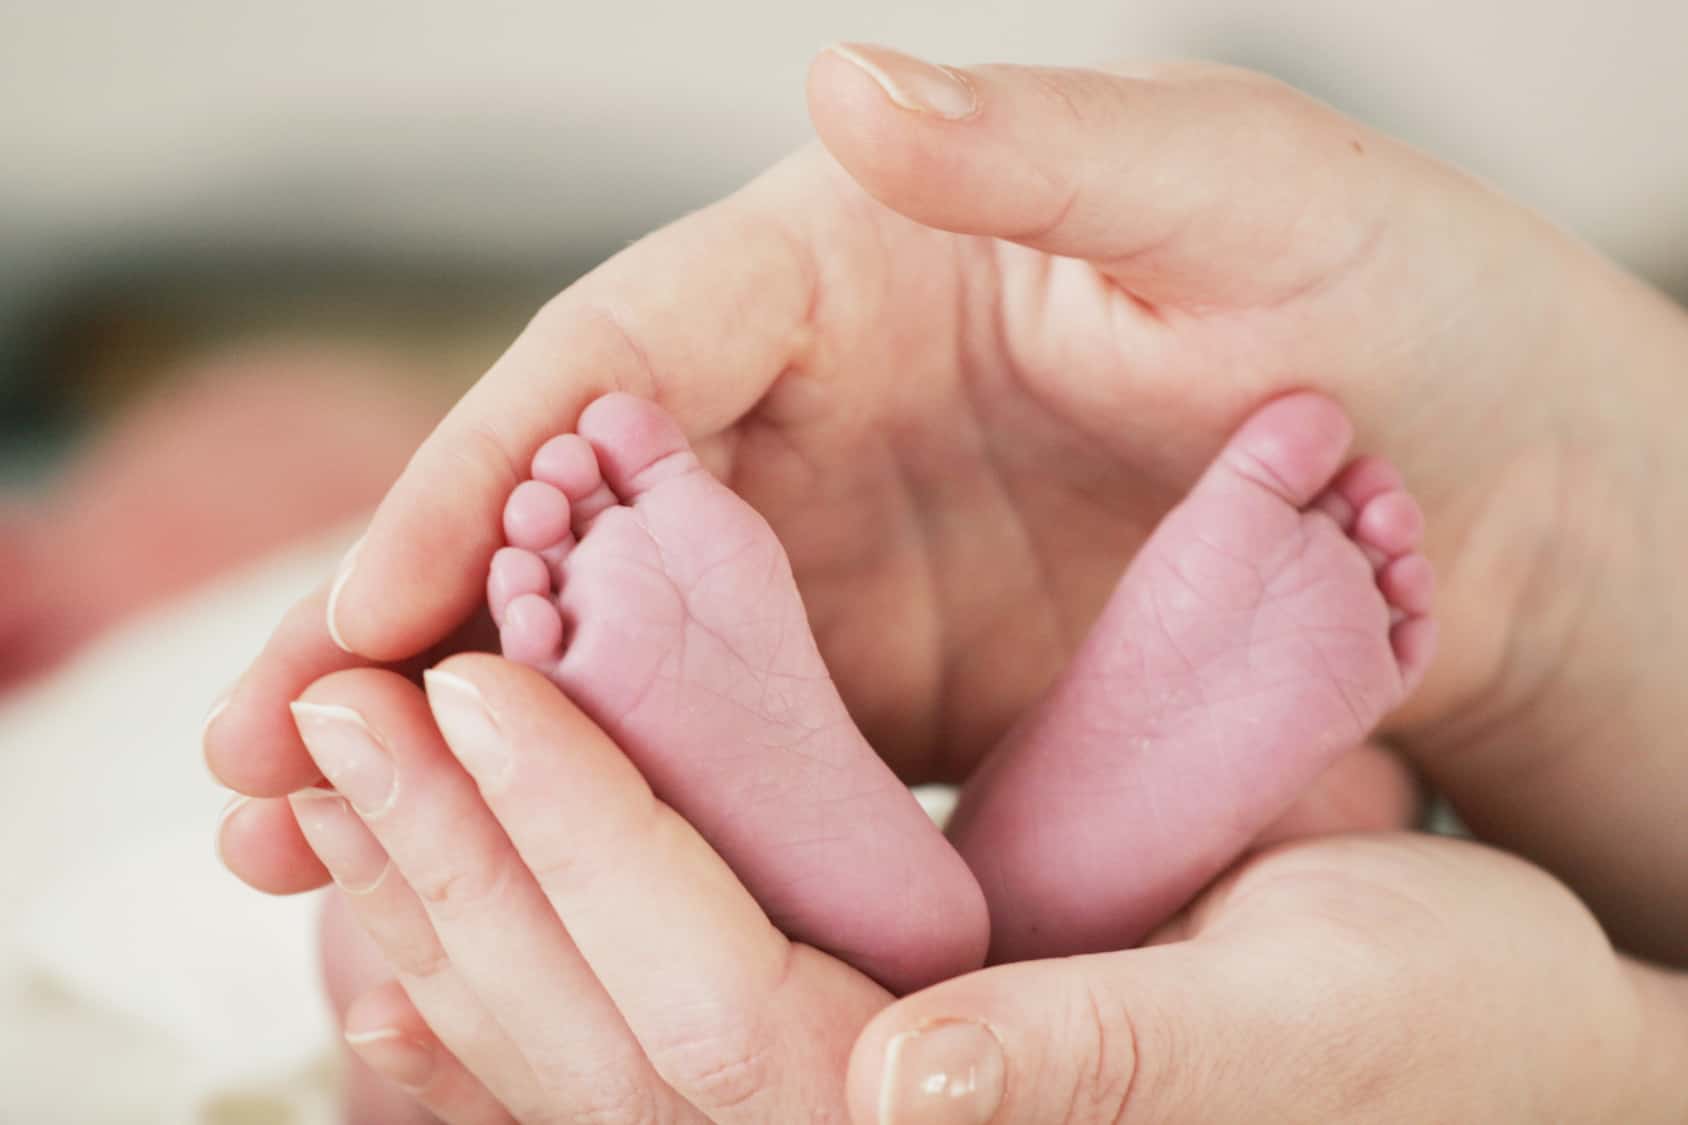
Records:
x=352, y=855
x=236, y=803
x=349, y=754
x=468, y=726
x=912, y=83
x=340, y=578
x=946, y=1073
x=405, y=1062
x=218, y=706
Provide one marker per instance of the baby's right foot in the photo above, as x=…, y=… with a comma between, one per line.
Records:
x=664, y=606
x=1271, y=620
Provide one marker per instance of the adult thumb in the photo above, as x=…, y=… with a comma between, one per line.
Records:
x=1152, y=1035
x=1358, y=979
x=1188, y=184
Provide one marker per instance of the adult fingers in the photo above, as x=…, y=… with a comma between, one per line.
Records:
x=372, y=737
x=1364, y=979
x=249, y=740
x=387, y=1032
x=469, y=910
x=396, y=923
x=744, y=1024
x=259, y=840
x=1196, y=185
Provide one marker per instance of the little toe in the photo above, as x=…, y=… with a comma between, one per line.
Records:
x=514, y=573
x=1355, y=486
x=568, y=464
x=1391, y=522
x=532, y=631
x=638, y=445
x=1292, y=447
x=1408, y=584
x=1414, y=643
x=536, y=516
x=1365, y=479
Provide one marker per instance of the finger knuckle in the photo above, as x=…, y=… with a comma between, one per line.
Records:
x=415, y=952
x=573, y=873
x=619, y=1103
x=1105, y=1055
x=719, y=1069
x=457, y=891
x=408, y=941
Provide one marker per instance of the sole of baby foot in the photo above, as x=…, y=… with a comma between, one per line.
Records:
x=1273, y=618
x=664, y=605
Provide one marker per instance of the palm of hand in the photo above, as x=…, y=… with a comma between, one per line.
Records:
x=967, y=439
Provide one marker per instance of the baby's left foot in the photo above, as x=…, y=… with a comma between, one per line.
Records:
x=1272, y=619
x=663, y=605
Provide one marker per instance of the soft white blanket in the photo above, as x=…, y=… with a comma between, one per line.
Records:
x=139, y=981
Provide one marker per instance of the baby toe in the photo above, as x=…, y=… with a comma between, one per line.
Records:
x=532, y=632
x=513, y=573
x=1409, y=584
x=567, y=463
x=636, y=441
x=1365, y=479
x=1391, y=523
x=1414, y=645
x=536, y=516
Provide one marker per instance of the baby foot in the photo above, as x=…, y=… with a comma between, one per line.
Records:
x=1274, y=617
x=664, y=606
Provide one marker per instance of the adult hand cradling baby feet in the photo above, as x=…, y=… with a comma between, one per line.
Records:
x=947, y=377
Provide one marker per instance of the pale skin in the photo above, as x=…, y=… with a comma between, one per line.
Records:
x=656, y=598
x=858, y=336
x=681, y=1003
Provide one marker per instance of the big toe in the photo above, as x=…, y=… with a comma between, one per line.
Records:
x=637, y=443
x=1291, y=447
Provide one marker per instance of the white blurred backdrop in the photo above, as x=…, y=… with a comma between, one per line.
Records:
x=505, y=127
x=183, y=176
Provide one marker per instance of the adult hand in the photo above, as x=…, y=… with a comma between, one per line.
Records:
x=1363, y=979
x=566, y=947
x=570, y=948
x=555, y=943
x=965, y=357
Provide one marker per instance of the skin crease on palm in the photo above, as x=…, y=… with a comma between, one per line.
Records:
x=960, y=439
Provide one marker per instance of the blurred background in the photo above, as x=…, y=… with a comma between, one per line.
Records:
x=249, y=252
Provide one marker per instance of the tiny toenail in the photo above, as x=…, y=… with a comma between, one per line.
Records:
x=341, y=576
x=340, y=840
x=946, y=1072
x=388, y=1051
x=468, y=726
x=349, y=753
